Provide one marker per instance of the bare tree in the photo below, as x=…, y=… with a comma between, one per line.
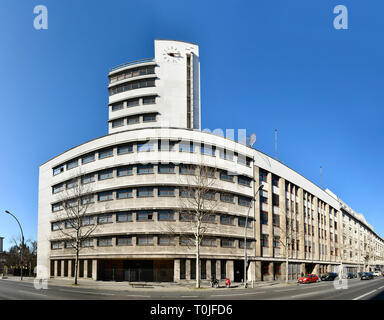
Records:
x=76, y=225
x=197, y=206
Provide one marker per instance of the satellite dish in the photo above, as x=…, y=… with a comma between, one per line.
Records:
x=252, y=139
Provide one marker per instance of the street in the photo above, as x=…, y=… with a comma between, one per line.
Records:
x=357, y=290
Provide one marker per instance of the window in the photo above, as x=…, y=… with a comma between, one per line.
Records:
x=186, y=169
x=88, y=178
x=227, y=243
x=87, y=199
x=145, y=192
x=133, y=120
x=69, y=244
x=87, y=221
x=124, y=171
x=209, y=218
x=71, y=184
x=117, y=123
x=117, y=106
x=209, y=195
x=132, y=103
x=144, y=83
x=208, y=242
x=165, y=240
x=264, y=240
x=166, y=191
x=166, y=168
x=57, y=207
x=88, y=158
x=104, y=196
x=241, y=222
x=224, y=175
x=275, y=181
x=243, y=201
x=187, y=193
x=106, y=153
x=241, y=244
x=149, y=100
x=263, y=176
x=186, y=216
x=186, y=241
x=276, y=242
x=227, y=219
x=144, y=168
x=124, y=194
x=56, y=226
x=146, y=146
x=276, y=220
x=244, y=181
x=58, y=188
x=104, y=242
x=227, y=197
x=243, y=160
x=165, y=216
x=72, y=164
x=124, y=216
x=126, y=148
x=106, y=174
x=86, y=243
x=56, y=245
x=151, y=117
x=264, y=217
x=144, y=240
x=124, y=241
x=207, y=150
x=58, y=170
x=166, y=145
x=226, y=154
x=263, y=200
x=186, y=146
x=104, y=218
x=144, y=215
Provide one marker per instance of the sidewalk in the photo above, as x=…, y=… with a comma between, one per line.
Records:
x=152, y=286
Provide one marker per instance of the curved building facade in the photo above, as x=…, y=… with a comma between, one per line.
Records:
x=136, y=177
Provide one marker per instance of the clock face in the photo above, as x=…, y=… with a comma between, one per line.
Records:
x=172, y=55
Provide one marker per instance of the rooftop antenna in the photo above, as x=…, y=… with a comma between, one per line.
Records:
x=276, y=144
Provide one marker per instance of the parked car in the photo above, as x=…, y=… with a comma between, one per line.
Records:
x=366, y=276
x=376, y=273
x=329, y=276
x=351, y=275
x=360, y=274
x=308, y=278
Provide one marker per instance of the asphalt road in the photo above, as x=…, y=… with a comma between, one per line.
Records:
x=356, y=290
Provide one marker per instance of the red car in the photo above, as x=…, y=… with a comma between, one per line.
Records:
x=308, y=278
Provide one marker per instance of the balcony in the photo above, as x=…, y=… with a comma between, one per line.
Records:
x=130, y=64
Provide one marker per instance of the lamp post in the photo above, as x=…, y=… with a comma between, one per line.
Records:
x=245, y=236
x=22, y=244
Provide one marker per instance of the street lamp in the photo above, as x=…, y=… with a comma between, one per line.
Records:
x=22, y=244
x=245, y=236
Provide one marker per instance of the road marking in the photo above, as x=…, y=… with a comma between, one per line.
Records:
x=189, y=296
x=87, y=292
x=380, y=287
x=362, y=296
x=137, y=295
x=284, y=290
x=236, y=294
x=28, y=292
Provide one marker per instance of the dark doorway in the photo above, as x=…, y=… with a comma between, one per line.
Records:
x=138, y=270
x=238, y=266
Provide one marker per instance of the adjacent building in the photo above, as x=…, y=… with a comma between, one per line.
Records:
x=137, y=174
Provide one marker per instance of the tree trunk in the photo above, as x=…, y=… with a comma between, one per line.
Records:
x=76, y=264
x=197, y=263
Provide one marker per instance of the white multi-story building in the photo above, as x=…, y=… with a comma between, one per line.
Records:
x=137, y=174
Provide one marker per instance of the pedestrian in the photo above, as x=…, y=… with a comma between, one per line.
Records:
x=227, y=282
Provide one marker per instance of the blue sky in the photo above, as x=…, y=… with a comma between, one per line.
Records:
x=264, y=65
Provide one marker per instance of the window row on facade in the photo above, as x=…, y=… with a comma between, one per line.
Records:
x=143, y=192
x=147, y=146
x=150, y=215
x=134, y=102
x=130, y=73
x=132, y=85
x=139, y=118
x=140, y=169
x=152, y=239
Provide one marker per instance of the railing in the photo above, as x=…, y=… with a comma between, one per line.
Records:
x=131, y=63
